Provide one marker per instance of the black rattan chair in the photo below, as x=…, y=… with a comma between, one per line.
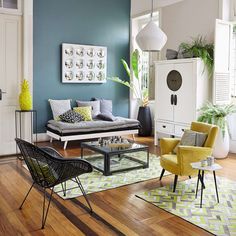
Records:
x=48, y=169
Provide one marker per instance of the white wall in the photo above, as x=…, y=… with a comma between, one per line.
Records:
x=187, y=19
x=142, y=6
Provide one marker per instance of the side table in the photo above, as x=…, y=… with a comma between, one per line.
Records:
x=201, y=169
x=18, y=120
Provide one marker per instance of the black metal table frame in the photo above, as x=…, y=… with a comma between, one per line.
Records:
x=33, y=127
x=201, y=179
x=107, y=156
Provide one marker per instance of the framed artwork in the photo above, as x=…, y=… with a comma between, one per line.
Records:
x=84, y=63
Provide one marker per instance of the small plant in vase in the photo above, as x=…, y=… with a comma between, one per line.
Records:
x=25, y=98
x=144, y=114
x=217, y=115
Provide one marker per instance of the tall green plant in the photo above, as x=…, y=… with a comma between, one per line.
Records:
x=214, y=114
x=200, y=48
x=142, y=95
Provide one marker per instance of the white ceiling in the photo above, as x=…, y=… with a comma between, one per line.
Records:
x=140, y=6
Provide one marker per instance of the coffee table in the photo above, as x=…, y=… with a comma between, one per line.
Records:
x=117, y=152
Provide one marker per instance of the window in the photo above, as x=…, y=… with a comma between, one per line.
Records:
x=10, y=6
x=146, y=58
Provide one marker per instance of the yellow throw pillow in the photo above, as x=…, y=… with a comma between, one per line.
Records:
x=86, y=112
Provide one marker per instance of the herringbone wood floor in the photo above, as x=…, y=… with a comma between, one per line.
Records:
x=117, y=211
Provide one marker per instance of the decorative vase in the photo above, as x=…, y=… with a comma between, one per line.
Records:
x=25, y=98
x=144, y=117
x=221, y=148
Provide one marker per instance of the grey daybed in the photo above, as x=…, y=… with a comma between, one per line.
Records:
x=91, y=129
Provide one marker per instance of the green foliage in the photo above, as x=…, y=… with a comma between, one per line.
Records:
x=200, y=48
x=214, y=114
x=142, y=95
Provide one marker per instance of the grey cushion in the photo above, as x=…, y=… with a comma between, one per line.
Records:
x=106, y=116
x=106, y=106
x=59, y=107
x=191, y=138
x=200, y=139
x=71, y=117
x=94, y=104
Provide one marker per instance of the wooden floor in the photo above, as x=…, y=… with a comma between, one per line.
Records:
x=117, y=211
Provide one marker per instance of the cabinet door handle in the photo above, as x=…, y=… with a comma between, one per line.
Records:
x=172, y=99
x=1, y=92
x=164, y=126
x=175, y=100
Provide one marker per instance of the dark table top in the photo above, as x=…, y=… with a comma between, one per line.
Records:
x=114, y=148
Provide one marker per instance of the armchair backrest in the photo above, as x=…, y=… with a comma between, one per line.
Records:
x=43, y=167
x=211, y=131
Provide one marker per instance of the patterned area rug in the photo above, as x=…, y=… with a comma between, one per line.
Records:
x=219, y=219
x=96, y=181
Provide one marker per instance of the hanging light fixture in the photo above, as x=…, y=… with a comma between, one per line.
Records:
x=151, y=37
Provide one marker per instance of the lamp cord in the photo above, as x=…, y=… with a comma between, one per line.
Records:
x=152, y=9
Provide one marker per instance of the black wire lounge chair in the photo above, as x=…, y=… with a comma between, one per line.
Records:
x=48, y=169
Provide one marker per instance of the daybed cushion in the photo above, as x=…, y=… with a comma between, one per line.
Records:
x=71, y=117
x=94, y=104
x=85, y=112
x=120, y=123
x=106, y=116
x=105, y=105
x=59, y=107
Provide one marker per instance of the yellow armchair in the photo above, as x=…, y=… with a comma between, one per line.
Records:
x=179, y=163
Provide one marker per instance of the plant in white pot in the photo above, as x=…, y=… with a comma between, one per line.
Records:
x=217, y=115
x=144, y=114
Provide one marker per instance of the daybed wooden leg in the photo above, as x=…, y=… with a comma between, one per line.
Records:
x=65, y=144
x=133, y=137
x=51, y=140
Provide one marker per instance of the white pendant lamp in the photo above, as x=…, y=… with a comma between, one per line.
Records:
x=151, y=37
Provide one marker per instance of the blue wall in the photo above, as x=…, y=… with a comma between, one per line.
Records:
x=96, y=22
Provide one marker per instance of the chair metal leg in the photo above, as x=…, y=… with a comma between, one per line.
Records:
x=175, y=182
x=162, y=173
x=189, y=177
x=45, y=214
x=26, y=196
x=83, y=192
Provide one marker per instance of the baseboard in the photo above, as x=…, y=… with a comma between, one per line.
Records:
x=41, y=137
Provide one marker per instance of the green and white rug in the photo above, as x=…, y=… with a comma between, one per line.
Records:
x=219, y=219
x=96, y=181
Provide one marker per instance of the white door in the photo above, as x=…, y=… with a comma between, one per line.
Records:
x=10, y=77
x=164, y=108
x=185, y=108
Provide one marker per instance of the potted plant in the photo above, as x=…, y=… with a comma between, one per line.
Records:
x=217, y=115
x=199, y=48
x=144, y=114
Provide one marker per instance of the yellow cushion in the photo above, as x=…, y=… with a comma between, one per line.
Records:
x=170, y=163
x=86, y=112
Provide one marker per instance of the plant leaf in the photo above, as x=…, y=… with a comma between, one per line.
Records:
x=134, y=61
x=127, y=69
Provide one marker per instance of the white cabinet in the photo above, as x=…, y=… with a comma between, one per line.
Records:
x=182, y=86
